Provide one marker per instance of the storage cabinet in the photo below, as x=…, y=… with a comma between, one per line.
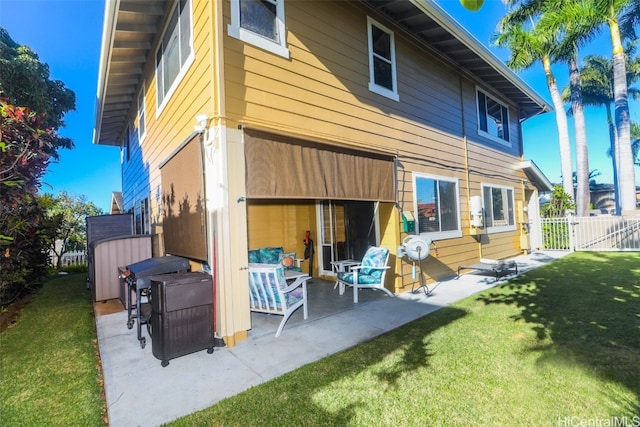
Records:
x=182, y=315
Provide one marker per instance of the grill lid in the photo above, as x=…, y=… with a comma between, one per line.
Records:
x=158, y=265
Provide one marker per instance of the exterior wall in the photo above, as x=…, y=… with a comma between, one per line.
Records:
x=276, y=223
x=321, y=93
x=167, y=129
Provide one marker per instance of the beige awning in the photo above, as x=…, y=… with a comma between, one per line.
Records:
x=291, y=168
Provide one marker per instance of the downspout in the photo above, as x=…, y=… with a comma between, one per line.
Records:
x=211, y=143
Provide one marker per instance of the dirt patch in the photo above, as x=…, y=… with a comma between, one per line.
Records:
x=10, y=314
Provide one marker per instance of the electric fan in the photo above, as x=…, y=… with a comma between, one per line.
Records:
x=416, y=249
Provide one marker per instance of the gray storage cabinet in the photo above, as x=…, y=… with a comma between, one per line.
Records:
x=182, y=315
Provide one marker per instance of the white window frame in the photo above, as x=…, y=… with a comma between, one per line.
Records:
x=183, y=68
x=277, y=47
x=500, y=228
x=142, y=117
x=486, y=134
x=437, y=235
x=373, y=87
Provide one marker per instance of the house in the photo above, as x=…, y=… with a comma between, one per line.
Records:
x=246, y=124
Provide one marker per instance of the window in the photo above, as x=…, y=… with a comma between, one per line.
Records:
x=498, y=208
x=436, y=206
x=142, y=131
x=142, y=217
x=382, y=60
x=260, y=23
x=175, y=52
x=493, y=118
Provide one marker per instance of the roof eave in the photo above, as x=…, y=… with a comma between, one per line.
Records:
x=445, y=20
x=536, y=176
x=108, y=34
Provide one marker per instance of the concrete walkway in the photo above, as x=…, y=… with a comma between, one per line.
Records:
x=140, y=392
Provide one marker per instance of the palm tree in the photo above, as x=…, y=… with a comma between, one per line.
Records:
x=528, y=45
x=597, y=90
x=584, y=26
x=566, y=17
x=609, y=12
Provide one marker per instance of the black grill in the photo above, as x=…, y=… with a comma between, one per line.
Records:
x=138, y=284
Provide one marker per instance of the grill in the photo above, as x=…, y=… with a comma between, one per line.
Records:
x=137, y=286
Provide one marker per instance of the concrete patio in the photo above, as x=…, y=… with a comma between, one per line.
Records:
x=140, y=392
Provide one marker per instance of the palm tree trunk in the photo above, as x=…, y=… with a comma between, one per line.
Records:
x=563, y=129
x=582, y=157
x=614, y=159
x=626, y=173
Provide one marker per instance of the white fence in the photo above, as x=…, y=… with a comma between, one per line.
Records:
x=596, y=233
x=74, y=258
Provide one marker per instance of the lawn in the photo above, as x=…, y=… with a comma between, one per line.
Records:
x=557, y=346
x=49, y=373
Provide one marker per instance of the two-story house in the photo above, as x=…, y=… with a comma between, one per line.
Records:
x=246, y=123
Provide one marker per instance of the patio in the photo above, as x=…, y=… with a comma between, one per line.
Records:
x=140, y=392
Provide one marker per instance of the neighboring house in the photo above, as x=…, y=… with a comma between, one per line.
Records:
x=117, y=204
x=245, y=124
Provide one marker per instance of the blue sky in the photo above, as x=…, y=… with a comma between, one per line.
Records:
x=66, y=34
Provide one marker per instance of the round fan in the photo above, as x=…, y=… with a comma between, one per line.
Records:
x=416, y=247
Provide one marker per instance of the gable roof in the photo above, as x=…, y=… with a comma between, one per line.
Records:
x=130, y=27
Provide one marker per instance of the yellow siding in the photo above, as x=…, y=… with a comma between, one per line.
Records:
x=322, y=93
x=281, y=223
x=194, y=95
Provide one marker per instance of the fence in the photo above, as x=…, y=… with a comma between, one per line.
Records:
x=596, y=233
x=74, y=258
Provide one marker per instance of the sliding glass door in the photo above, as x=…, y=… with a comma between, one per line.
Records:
x=347, y=229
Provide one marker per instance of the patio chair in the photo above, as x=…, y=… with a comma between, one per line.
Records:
x=369, y=274
x=271, y=293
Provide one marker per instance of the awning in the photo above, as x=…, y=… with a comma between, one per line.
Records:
x=290, y=168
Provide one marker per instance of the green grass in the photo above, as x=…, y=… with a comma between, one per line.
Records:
x=49, y=373
x=559, y=345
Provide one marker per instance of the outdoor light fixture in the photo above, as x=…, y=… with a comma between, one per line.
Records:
x=202, y=120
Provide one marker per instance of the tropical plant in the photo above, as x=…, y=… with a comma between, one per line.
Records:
x=529, y=44
x=32, y=107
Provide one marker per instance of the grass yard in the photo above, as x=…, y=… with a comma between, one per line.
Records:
x=49, y=374
x=558, y=346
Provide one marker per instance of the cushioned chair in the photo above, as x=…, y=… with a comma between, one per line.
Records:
x=275, y=255
x=271, y=293
x=369, y=274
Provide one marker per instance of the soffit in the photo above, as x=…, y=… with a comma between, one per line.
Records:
x=130, y=27
x=441, y=34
